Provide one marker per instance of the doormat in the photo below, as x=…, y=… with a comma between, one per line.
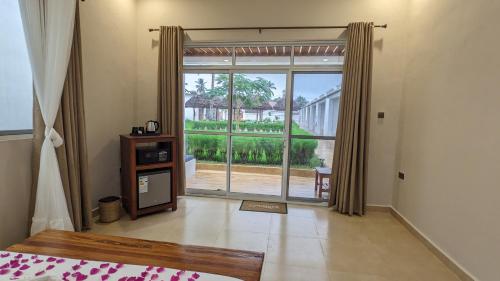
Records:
x=263, y=206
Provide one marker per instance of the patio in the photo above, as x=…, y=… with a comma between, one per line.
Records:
x=253, y=183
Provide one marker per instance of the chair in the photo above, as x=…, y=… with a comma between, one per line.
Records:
x=320, y=174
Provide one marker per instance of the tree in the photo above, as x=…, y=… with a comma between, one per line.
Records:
x=200, y=86
x=247, y=93
x=200, y=90
x=300, y=102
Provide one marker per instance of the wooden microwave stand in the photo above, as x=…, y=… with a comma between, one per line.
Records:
x=129, y=169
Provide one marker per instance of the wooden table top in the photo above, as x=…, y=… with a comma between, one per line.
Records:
x=244, y=265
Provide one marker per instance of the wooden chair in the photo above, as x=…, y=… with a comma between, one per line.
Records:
x=320, y=174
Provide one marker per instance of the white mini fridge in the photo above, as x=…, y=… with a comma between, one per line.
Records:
x=154, y=188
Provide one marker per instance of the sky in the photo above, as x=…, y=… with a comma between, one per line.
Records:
x=310, y=85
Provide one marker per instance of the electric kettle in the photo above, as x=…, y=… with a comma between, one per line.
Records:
x=152, y=126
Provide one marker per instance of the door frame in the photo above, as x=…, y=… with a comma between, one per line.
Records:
x=289, y=71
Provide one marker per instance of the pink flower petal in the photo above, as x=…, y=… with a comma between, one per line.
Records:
x=38, y=261
x=34, y=257
x=76, y=267
x=160, y=269
x=144, y=274
x=119, y=265
x=154, y=276
x=149, y=268
x=66, y=274
x=14, y=263
x=60, y=261
x=5, y=266
x=191, y=279
x=40, y=273
x=83, y=262
x=51, y=259
x=18, y=273
x=174, y=278
x=94, y=271
x=131, y=279
x=195, y=275
x=124, y=278
x=50, y=266
x=24, y=260
x=4, y=255
x=104, y=277
x=18, y=256
x=81, y=277
x=4, y=271
x=112, y=270
x=24, y=267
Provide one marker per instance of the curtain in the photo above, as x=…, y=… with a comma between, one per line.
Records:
x=48, y=28
x=72, y=155
x=170, y=94
x=351, y=145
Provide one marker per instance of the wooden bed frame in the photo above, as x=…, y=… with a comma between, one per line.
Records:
x=244, y=265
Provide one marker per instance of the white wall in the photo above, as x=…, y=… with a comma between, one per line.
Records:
x=108, y=49
x=15, y=188
x=450, y=131
x=388, y=55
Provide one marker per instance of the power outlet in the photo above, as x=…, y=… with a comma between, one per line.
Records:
x=401, y=175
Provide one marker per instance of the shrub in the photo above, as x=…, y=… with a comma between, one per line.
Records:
x=250, y=150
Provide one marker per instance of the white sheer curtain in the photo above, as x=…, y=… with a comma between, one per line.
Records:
x=48, y=28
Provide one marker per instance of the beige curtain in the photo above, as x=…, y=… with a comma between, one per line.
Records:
x=170, y=93
x=351, y=145
x=72, y=155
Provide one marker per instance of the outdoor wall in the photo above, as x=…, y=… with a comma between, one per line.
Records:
x=108, y=49
x=450, y=131
x=15, y=188
x=388, y=55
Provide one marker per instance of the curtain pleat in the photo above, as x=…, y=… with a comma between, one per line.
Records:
x=72, y=155
x=170, y=94
x=351, y=144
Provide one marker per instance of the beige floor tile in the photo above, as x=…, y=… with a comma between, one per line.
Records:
x=280, y=272
x=348, y=276
x=309, y=243
x=296, y=226
x=250, y=222
x=295, y=251
x=241, y=240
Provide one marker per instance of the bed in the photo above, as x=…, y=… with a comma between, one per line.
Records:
x=243, y=265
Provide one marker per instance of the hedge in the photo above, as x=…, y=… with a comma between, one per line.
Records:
x=251, y=150
x=246, y=126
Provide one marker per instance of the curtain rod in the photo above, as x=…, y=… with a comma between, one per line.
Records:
x=266, y=28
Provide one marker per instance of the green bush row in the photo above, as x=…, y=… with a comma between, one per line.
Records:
x=251, y=150
x=250, y=126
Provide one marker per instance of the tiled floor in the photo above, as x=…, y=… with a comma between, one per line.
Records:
x=309, y=243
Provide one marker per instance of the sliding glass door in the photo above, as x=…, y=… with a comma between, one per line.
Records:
x=260, y=120
x=316, y=97
x=257, y=133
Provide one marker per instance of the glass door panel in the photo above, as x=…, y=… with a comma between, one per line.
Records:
x=257, y=165
x=206, y=127
x=258, y=101
x=257, y=135
x=314, y=112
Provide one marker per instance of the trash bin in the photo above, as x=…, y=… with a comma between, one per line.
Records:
x=109, y=209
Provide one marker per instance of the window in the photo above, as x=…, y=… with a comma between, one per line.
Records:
x=261, y=119
x=16, y=86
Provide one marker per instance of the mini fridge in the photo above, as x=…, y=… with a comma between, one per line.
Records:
x=154, y=188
